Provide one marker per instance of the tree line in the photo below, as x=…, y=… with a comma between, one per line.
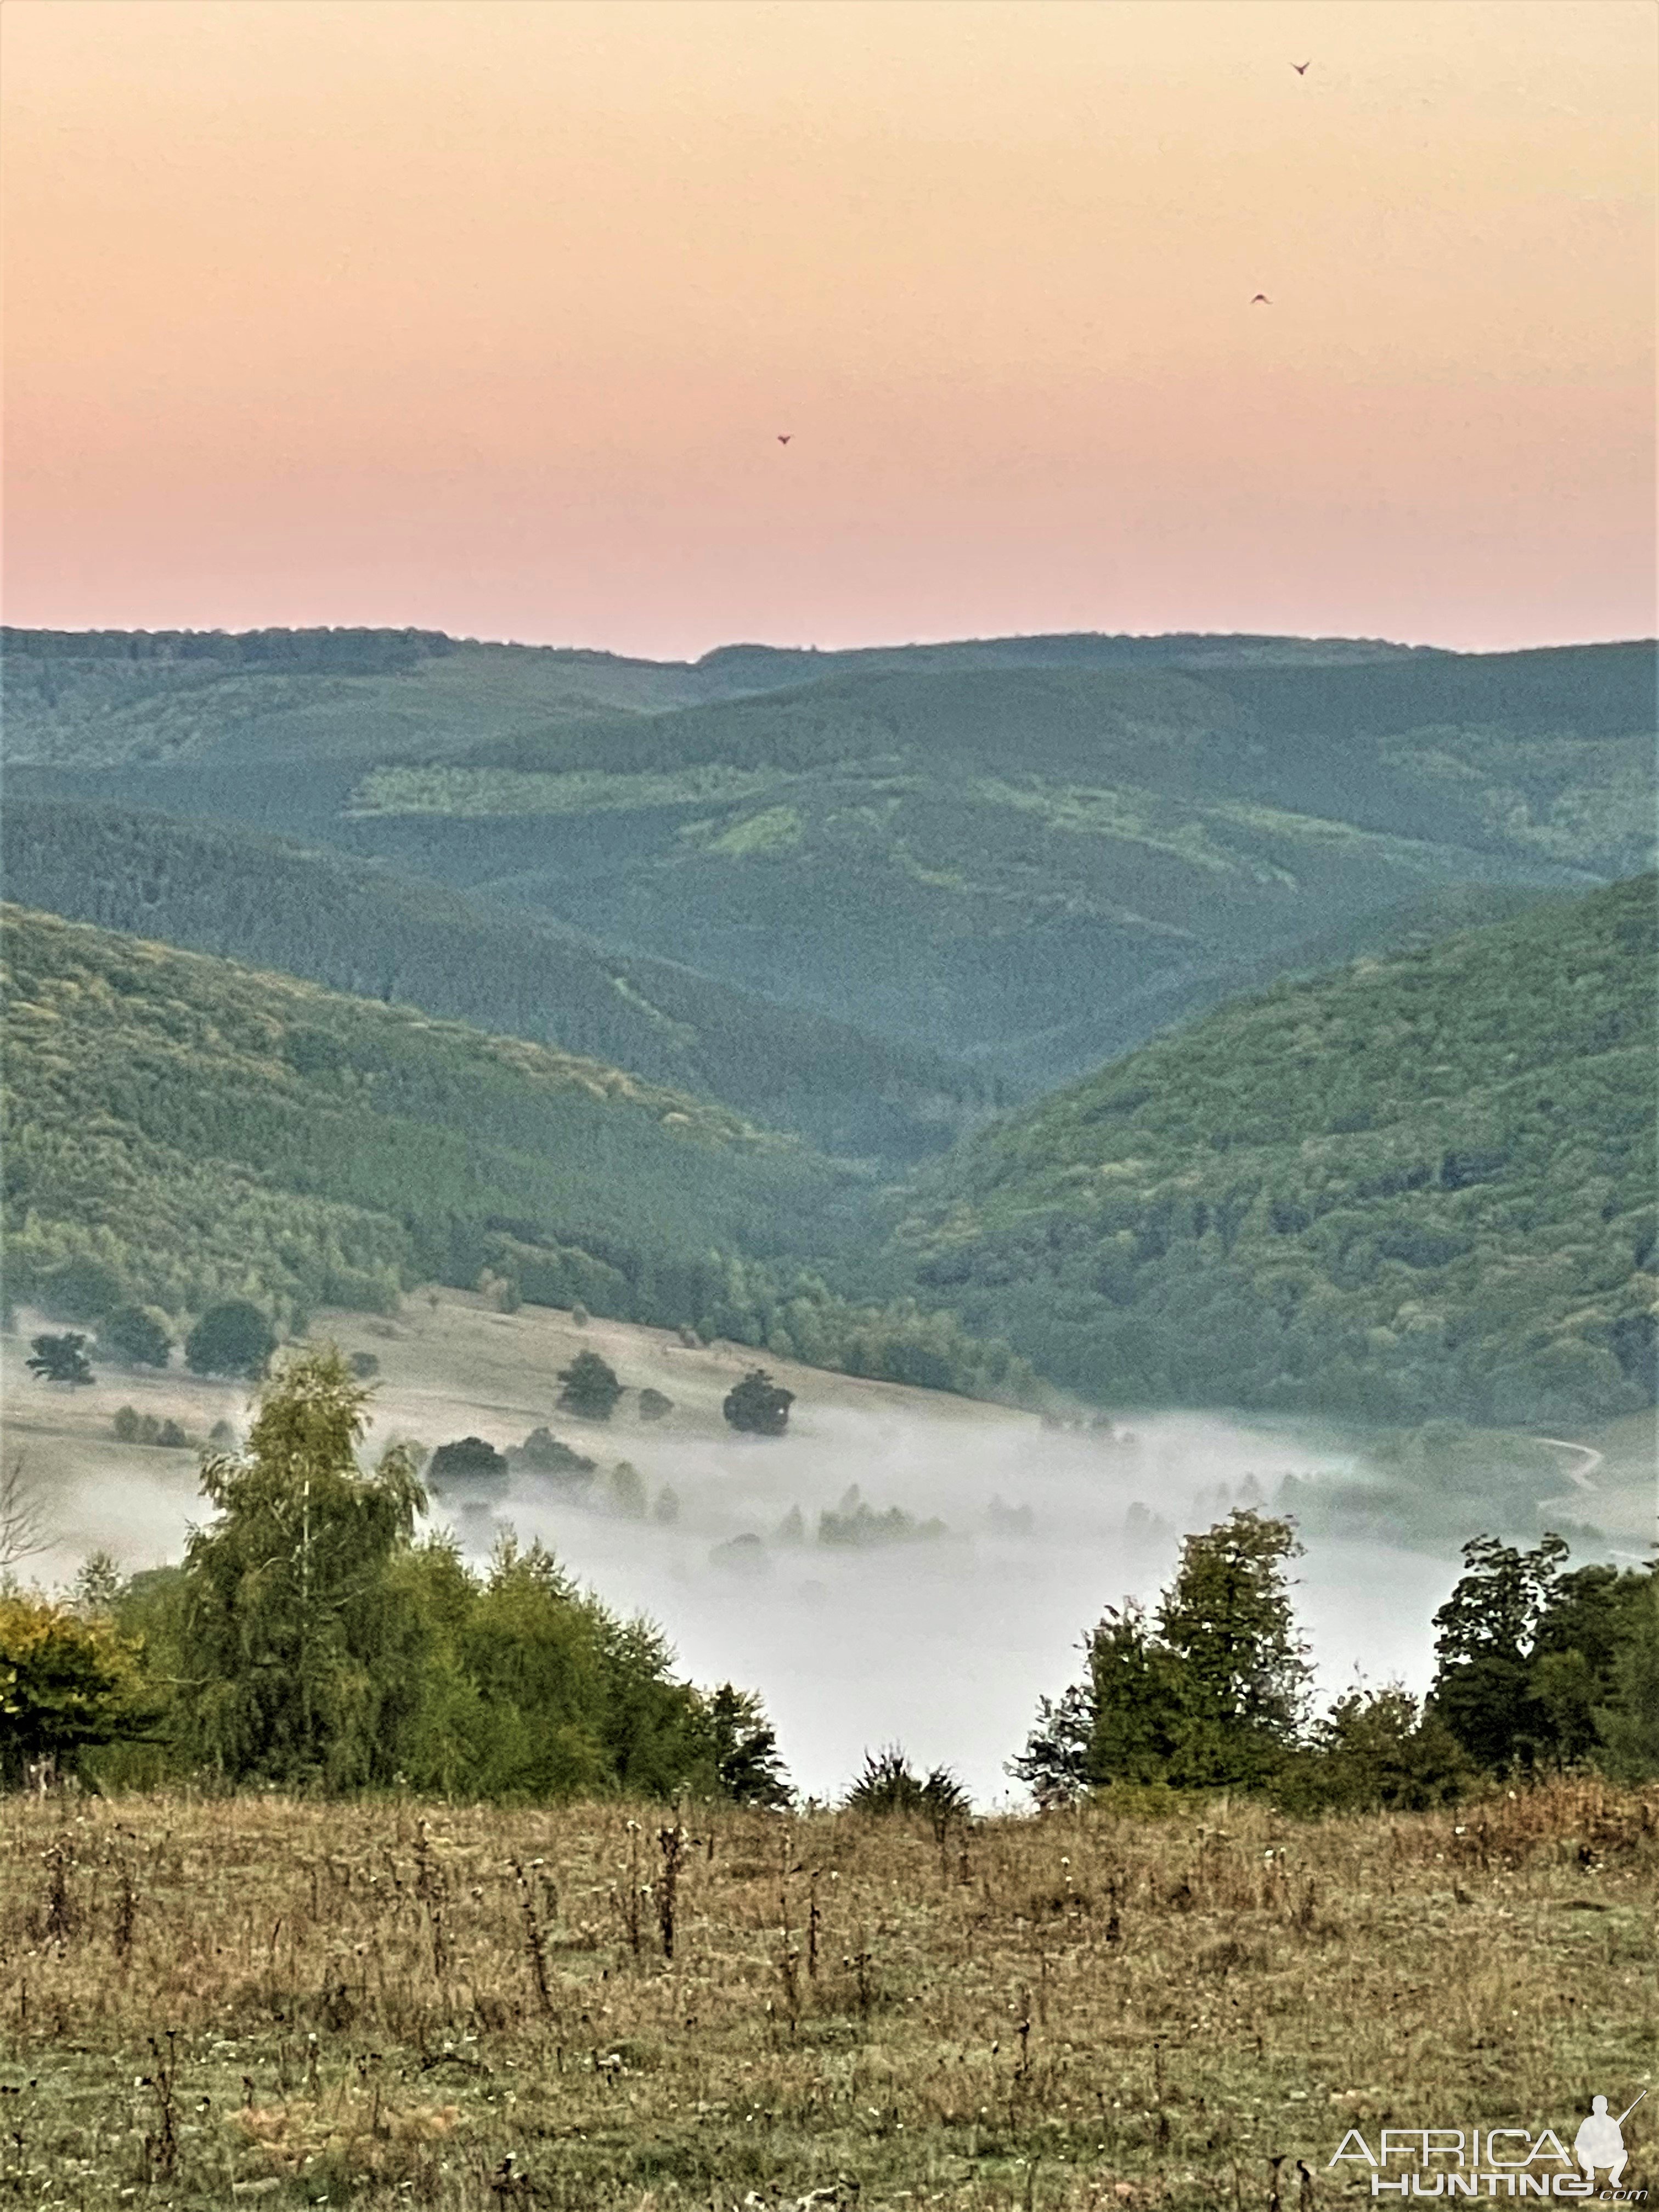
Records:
x=1539, y=1669
x=312, y=1640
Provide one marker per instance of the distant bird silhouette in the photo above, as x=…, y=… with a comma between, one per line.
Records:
x=784, y=438
x=1302, y=67
x=1261, y=301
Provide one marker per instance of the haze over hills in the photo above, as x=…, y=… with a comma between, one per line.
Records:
x=1029, y=852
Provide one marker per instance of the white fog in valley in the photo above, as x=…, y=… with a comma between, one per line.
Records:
x=942, y=1642
x=944, y=1645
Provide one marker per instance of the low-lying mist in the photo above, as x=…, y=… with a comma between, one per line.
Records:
x=934, y=1607
x=942, y=1642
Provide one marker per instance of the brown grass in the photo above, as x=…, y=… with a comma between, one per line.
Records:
x=202, y=2001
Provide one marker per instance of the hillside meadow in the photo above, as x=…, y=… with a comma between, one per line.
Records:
x=616, y=2008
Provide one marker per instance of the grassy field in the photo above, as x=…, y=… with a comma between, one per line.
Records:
x=389, y=2004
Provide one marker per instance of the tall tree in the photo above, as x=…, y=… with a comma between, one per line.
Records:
x=291, y=1631
x=1229, y=1621
x=1485, y=1688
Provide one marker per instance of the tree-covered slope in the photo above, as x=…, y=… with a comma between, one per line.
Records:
x=359, y=927
x=203, y=1131
x=1421, y=1185
x=1042, y=865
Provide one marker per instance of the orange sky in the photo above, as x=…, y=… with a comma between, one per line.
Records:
x=486, y=316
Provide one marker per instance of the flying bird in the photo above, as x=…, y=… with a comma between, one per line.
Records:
x=1302, y=67
x=784, y=437
x=1261, y=301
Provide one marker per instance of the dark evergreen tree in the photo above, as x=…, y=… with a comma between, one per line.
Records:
x=743, y=1745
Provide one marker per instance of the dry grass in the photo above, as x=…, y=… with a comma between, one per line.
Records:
x=206, y=2001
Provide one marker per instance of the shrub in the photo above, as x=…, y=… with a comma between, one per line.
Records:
x=887, y=1785
x=653, y=1404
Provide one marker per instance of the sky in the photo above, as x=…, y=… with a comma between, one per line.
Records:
x=489, y=317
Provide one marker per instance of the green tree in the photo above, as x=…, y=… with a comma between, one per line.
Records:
x=590, y=1387
x=67, y=1683
x=1485, y=1688
x=137, y=1335
x=1210, y=1693
x=653, y=1404
x=60, y=1359
x=757, y=1405
x=1628, y=1724
x=467, y=1464
x=1243, y=1673
x=232, y=1338
x=743, y=1744
x=290, y=1632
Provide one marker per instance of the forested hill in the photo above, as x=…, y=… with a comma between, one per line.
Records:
x=358, y=927
x=1419, y=1186
x=1030, y=852
x=180, y=1130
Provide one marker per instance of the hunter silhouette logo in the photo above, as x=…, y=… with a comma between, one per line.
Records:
x=1455, y=2162
x=1600, y=2142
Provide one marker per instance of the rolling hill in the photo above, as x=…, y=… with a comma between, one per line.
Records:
x=1419, y=1186
x=1033, y=853
x=358, y=927
x=180, y=1130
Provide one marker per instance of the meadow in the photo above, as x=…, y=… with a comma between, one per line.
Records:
x=614, y=2007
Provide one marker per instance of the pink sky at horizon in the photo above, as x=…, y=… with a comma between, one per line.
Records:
x=486, y=316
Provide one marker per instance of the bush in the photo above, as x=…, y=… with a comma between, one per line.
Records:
x=132, y=1427
x=757, y=1405
x=70, y=1683
x=363, y=1364
x=232, y=1338
x=653, y=1404
x=887, y=1785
